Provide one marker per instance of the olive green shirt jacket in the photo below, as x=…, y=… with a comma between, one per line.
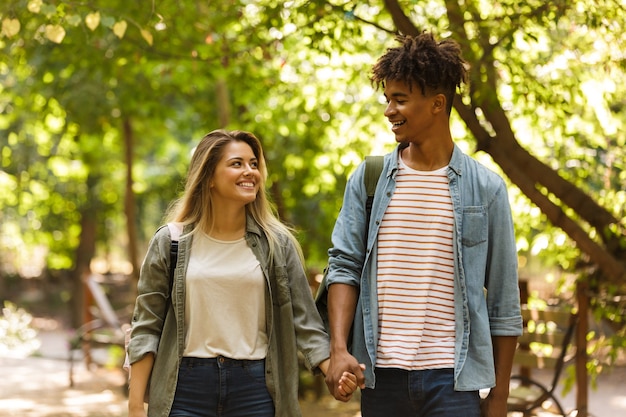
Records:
x=293, y=323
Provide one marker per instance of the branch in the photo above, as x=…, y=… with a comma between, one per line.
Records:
x=612, y=268
x=344, y=11
x=523, y=178
x=402, y=22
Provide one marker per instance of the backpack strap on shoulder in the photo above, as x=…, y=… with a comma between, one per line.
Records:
x=175, y=232
x=373, y=169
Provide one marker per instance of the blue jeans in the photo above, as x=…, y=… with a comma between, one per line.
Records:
x=427, y=393
x=222, y=387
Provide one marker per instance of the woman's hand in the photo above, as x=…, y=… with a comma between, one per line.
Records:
x=348, y=384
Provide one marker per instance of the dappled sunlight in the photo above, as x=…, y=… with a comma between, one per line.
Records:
x=39, y=387
x=16, y=404
x=619, y=401
x=106, y=401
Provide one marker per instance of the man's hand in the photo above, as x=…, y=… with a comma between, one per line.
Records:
x=344, y=375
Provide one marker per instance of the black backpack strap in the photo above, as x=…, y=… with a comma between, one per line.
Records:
x=173, y=260
x=373, y=169
x=175, y=231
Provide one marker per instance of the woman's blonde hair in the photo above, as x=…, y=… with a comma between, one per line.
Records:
x=196, y=205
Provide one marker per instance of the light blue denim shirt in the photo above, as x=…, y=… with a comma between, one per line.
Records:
x=486, y=291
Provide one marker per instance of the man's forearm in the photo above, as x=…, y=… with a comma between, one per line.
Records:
x=503, y=352
x=342, y=300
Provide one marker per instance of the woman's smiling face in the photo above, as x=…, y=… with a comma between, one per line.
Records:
x=237, y=177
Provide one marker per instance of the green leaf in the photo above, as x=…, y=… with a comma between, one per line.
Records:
x=73, y=20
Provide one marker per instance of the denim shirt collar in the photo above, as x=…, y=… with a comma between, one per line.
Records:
x=455, y=163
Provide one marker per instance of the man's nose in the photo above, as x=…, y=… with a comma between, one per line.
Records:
x=390, y=109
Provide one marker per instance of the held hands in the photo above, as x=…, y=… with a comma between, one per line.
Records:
x=344, y=375
x=347, y=384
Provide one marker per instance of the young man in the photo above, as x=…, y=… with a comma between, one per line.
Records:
x=429, y=287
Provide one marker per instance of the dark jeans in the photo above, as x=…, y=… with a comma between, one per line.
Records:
x=222, y=387
x=427, y=393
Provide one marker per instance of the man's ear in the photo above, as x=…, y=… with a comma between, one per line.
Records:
x=439, y=103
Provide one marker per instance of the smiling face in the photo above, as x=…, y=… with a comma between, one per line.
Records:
x=237, y=177
x=411, y=113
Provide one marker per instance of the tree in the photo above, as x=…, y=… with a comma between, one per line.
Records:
x=78, y=79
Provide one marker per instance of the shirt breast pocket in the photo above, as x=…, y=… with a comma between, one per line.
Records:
x=474, y=225
x=282, y=294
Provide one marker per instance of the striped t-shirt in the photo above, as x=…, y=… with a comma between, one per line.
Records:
x=416, y=274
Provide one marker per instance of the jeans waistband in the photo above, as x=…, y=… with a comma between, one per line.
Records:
x=220, y=360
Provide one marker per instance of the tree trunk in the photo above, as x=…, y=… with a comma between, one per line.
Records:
x=130, y=206
x=84, y=253
x=223, y=103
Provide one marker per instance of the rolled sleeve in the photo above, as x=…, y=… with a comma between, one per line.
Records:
x=506, y=326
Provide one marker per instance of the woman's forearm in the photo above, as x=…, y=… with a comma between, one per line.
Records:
x=140, y=375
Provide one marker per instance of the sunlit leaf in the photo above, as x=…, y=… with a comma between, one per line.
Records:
x=55, y=33
x=92, y=20
x=10, y=27
x=147, y=36
x=119, y=28
x=34, y=6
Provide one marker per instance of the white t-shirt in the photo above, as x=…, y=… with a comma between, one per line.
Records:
x=225, y=301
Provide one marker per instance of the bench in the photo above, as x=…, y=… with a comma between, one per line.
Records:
x=548, y=342
x=107, y=327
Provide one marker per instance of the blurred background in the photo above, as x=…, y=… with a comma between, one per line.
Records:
x=102, y=103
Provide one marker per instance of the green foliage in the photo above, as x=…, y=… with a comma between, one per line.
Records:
x=73, y=75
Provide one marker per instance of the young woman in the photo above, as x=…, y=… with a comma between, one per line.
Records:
x=226, y=341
